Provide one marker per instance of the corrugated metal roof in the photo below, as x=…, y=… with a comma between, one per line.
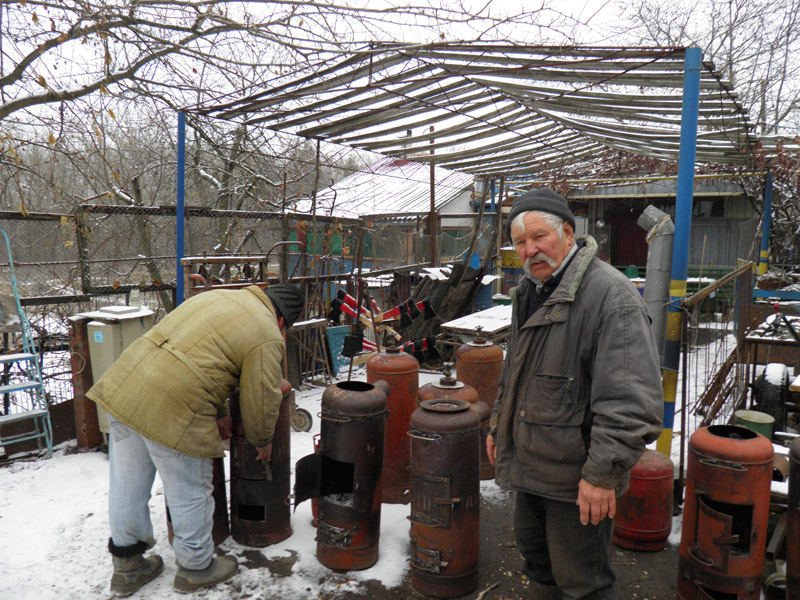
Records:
x=503, y=109
x=388, y=186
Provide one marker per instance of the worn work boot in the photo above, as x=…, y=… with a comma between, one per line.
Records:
x=221, y=569
x=132, y=572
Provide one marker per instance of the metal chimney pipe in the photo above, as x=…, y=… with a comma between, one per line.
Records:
x=660, y=233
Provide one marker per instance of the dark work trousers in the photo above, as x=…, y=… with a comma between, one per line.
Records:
x=559, y=551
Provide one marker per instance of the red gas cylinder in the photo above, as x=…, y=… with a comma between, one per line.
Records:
x=726, y=508
x=793, y=524
x=447, y=387
x=644, y=512
x=479, y=364
x=260, y=512
x=445, y=504
x=401, y=371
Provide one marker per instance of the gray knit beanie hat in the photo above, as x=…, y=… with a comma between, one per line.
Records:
x=540, y=199
x=288, y=299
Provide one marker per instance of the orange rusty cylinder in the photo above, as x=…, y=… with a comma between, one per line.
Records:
x=260, y=512
x=644, y=512
x=220, y=528
x=401, y=371
x=726, y=508
x=479, y=364
x=445, y=498
x=793, y=524
x=447, y=387
x=485, y=414
x=352, y=426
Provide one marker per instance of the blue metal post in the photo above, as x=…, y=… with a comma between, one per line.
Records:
x=179, y=210
x=680, y=246
x=766, y=221
x=493, y=195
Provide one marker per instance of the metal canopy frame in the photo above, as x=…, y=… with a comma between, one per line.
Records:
x=503, y=109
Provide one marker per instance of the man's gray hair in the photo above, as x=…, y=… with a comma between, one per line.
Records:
x=552, y=221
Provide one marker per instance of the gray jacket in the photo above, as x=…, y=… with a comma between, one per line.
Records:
x=581, y=391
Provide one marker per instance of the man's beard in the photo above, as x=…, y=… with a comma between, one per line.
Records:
x=540, y=256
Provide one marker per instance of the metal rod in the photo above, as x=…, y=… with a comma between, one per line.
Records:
x=179, y=217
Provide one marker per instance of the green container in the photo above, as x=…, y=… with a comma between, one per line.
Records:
x=756, y=421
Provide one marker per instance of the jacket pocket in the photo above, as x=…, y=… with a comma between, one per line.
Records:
x=549, y=400
x=548, y=432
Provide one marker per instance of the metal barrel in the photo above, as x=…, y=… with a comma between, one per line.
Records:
x=400, y=371
x=352, y=430
x=793, y=524
x=449, y=387
x=726, y=511
x=644, y=513
x=479, y=364
x=260, y=512
x=220, y=528
x=445, y=498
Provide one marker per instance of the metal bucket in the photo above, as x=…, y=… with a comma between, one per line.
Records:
x=445, y=498
x=757, y=421
x=644, y=512
x=726, y=510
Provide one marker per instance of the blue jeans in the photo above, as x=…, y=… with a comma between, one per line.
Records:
x=560, y=552
x=188, y=487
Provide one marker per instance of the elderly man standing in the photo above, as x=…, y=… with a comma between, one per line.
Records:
x=580, y=398
x=164, y=394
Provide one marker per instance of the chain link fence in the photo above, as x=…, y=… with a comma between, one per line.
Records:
x=67, y=264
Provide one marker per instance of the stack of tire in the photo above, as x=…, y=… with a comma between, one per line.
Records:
x=771, y=390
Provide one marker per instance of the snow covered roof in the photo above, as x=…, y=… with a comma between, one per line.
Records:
x=390, y=186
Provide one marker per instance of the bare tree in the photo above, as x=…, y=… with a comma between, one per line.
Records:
x=56, y=51
x=755, y=45
x=89, y=90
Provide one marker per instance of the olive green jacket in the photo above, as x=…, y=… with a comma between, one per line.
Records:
x=581, y=392
x=170, y=384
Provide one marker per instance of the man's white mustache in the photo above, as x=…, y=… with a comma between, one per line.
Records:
x=539, y=256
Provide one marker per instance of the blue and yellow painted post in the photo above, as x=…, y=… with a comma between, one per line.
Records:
x=680, y=246
x=179, y=207
x=766, y=218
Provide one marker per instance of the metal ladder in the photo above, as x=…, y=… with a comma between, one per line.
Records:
x=22, y=391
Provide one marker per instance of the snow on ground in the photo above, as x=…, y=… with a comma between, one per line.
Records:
x=54, y=534
x=54, y=527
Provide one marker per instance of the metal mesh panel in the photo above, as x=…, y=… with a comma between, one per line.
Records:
x=602, y=233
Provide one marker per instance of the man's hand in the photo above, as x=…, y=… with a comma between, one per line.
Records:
x=264, y=453
x=225, y=426
x=491, y=449
x=596, y=503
